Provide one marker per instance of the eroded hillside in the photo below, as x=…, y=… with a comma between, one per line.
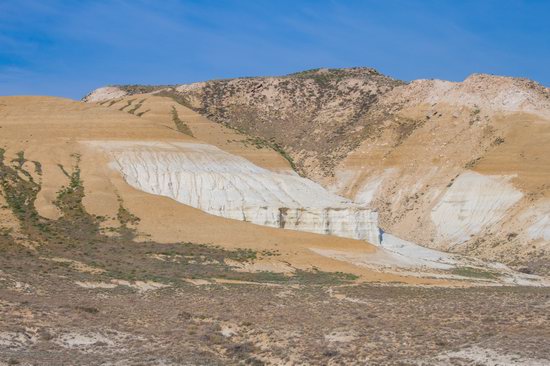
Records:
x=50, y=146
x=462, y=166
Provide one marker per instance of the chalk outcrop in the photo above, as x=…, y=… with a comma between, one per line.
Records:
x=222, y=184
x=104, y=94
x=472, y=203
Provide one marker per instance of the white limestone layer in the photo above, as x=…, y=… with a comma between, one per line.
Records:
x=222, y=184
x=537, y=220
x=472, y=203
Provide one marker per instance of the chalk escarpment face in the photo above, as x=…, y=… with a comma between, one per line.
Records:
x=537, y=220
x=472, y=203
x=226, y=185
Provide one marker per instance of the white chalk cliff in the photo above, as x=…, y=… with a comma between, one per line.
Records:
x=222, y=184
x=473, y=202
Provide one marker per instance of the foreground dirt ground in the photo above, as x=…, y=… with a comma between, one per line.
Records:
x=50, y=320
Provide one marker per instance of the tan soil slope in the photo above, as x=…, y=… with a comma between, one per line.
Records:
x=51, y=131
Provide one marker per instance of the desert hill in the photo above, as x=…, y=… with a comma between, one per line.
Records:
x=461, y=167
x=51, y=145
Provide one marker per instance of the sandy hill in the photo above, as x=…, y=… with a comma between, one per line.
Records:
x=147, y=169
x=459, y=166
x=56, y=149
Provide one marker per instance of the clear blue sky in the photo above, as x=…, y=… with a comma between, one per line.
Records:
x=66, y=48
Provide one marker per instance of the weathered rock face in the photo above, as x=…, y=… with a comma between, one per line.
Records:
x=105, y=93
x=468, y=174
x=472, y=203
x=226, y=185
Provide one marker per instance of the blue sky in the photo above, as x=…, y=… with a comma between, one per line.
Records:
x=67, y=48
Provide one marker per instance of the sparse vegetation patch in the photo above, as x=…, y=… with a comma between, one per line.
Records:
x=180, y=125
x=475, y=273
